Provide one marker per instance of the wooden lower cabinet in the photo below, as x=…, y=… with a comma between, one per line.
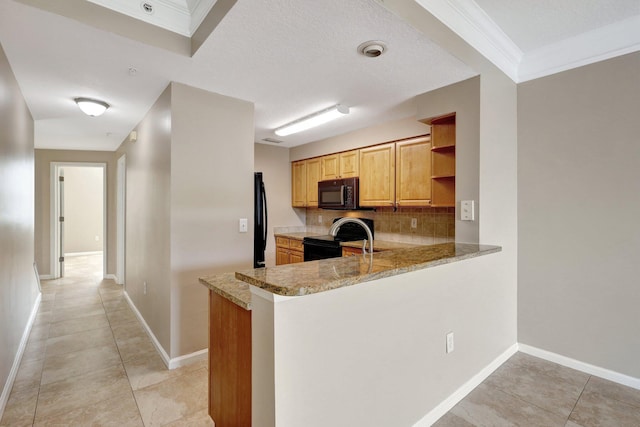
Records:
x=229, y=363
x=289, y=251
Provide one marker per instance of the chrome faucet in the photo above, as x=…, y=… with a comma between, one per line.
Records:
x=333, y=231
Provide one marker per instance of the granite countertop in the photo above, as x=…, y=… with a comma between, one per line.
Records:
x=327, y=274
x=380, y=245
x=296, y=235
x=227, y=286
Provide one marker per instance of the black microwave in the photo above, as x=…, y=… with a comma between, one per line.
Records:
x=338, y=193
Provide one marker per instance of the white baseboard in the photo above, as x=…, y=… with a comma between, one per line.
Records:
x=8, y=385
x=188, y=359
x=45, y=276
x=445, y=406
x=176, y=362
x=581, y=366
x=111, y=277
x=156, y=343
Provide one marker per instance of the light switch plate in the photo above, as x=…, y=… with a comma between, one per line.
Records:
x=466, y=210
x=244, y=225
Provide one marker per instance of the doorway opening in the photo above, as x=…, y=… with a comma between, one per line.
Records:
x=78, y=215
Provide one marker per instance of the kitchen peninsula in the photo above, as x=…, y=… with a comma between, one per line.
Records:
x=324, y=334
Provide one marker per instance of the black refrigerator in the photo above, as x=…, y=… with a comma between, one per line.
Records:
x=259, y=220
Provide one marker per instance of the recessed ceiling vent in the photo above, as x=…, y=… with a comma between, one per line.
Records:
x=372, y=48
x=272, y=140
x=147, y=7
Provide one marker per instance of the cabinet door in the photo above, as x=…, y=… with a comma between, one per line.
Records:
x=413, y=172
x=282, y=256
x=295, y=257
x=349, y=163
x=313, y=176
x=330, y=166
x=299, y=184
x=377, y=175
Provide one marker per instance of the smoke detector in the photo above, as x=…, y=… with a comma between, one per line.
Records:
x=372, y=48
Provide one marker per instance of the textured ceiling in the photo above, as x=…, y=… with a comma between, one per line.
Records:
x=292, y=58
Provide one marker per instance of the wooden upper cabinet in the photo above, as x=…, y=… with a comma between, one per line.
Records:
x=413, y=172
x=350, y=164
x=340, y=165
x=314, y=167
x=377, y=175
x=330, y=167
x=299, y=184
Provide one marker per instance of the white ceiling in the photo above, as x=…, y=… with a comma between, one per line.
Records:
x=292, y=58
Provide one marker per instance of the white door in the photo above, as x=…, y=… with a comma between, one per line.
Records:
x=61, y=220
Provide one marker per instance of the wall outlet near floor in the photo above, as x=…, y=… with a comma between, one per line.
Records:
x=414, y=222
x=144, y=287
x=450, y=346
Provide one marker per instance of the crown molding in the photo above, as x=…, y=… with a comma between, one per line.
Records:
x=172, y=15
x=470, y=22
x=593, y=46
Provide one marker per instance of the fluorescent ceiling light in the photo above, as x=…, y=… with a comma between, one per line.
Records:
x=91, y=107
x=313, y=120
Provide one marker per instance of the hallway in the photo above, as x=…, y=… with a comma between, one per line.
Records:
x=88, y=361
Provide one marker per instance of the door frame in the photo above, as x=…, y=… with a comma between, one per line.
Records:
x=54, y=199
x=121, y=206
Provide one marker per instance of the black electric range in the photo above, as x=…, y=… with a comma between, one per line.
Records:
x=322, y=247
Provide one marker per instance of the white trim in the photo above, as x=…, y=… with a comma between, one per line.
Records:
x=111, y=277
x=176, y=362
x=188, y=359
x=121, y=190
x=581, y=366
x=53, y=223
x=474, y=26
x=156, y=343
x=8, y=385
x=445, y=406
x=587, y=48
x=45, y=276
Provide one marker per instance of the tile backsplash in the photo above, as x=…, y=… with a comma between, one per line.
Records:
x=433, y=225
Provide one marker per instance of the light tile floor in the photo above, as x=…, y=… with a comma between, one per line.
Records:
x=88, y=362
x=527, y=391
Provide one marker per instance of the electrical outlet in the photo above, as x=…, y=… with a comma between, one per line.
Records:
x=144, y=287
x=243, y=225
x=467, y=210
x=414, y=223
x=450, y=346
x=97, y=238
x=319, y=219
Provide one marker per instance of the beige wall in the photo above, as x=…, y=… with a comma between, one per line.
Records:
x=273, y=162
x=579, y=204
x=464, y=99
x=189, y=181
x=43, y=160
x=211, y=186
x=18, y=288
x=148, y=203
x=83, y=209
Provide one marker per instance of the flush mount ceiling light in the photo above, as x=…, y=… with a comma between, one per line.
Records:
x=91, y=107
x=313, y=120
x=372, y=48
